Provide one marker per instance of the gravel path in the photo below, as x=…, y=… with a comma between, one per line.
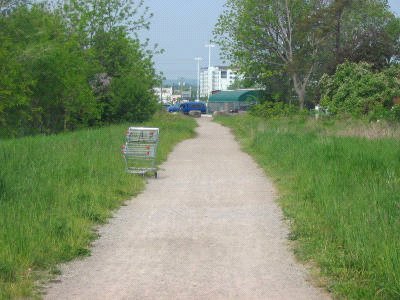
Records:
x=208, y=228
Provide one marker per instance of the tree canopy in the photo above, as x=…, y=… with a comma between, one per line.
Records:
x=296, y=41
x=73, y=64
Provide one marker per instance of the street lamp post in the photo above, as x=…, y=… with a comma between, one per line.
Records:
x=209, y=72
x=198, y=77
x=209, y=46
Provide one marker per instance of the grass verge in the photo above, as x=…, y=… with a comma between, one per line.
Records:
x=342, y=195
x=54, y=189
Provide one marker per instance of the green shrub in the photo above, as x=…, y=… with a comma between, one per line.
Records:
x=394, y=113
x=55, y=79
x=357, y=90
x=271, y=109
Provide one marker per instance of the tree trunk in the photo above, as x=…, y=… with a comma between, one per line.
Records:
x=340, y=5
x=300, y=90
x=338, y=33
x=66, y=117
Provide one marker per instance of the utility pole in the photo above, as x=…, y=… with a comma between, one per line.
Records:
x=209, y=71
x=198, y=77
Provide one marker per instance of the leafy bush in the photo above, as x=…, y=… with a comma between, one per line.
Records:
x=357, y=90
x=271, y=109
x=132, y=101
x=59, y=74
x=394, y=113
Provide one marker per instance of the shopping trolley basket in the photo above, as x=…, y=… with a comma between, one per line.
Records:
x=140, y=150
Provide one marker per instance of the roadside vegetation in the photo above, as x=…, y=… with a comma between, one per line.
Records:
x=55, y=189
x=67, y=65
x=285, y=47
x=71, y=68
x=341, y=195
x=327, y=129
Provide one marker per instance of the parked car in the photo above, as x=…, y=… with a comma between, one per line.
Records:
x=174, y=108
x=191, y=106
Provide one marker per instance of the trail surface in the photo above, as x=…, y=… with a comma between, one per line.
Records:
x=208, y=228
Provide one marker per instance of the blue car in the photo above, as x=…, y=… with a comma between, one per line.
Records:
x=173, y=108
x=190, y=106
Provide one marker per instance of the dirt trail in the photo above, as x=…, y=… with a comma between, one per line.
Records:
x=208, y=228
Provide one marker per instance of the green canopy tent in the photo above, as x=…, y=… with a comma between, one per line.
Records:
x=238, y=100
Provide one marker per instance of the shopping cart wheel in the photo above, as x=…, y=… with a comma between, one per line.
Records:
x=155, y=175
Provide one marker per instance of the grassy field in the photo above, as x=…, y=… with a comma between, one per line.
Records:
x=54, y=189
x=342, y=196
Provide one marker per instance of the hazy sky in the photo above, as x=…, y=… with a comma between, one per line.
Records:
x=183, y=27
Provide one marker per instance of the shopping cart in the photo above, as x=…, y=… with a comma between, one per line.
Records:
x=140, y=150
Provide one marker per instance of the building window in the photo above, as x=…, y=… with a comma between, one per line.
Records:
x=224, y=74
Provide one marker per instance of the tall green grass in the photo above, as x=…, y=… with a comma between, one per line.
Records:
x=54, y=189
x=342, y=195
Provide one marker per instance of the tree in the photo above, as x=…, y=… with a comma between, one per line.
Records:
x=131, y=76
x=60, y=72
x=62, y=98
x=7, y=6
x=363, y=31
x=359, y=90
x=45, y=87
x=14, y=82
x=108, y=30
x=338, y=7
x=133, y=102
x=275, y=39
x=91, y=17
x=273, y=36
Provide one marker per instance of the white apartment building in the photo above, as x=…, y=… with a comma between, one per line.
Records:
x=216, y=79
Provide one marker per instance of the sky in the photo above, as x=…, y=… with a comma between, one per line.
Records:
x=182, y=28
